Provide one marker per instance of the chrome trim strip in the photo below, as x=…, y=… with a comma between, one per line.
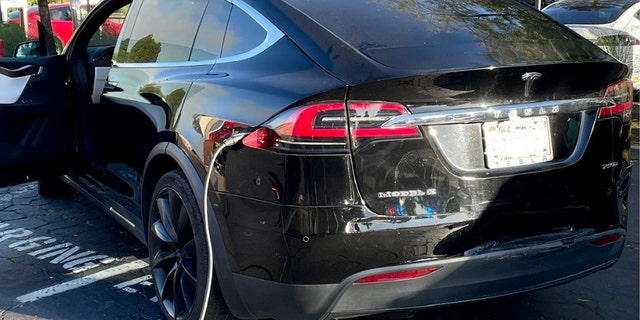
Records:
x=586, y=107
x=125, y=220
x=139, y=65
x=499, y=112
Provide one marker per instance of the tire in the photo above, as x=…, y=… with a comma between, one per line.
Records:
x=53, y=187
x=178, y=253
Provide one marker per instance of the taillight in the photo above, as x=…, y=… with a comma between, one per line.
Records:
x=366, y=119
x=606, y=240
x=220, y=133
x=322, y=127
x=401, y=275
x=621, y=94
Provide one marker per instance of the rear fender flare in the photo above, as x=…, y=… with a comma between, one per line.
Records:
x=223, y=270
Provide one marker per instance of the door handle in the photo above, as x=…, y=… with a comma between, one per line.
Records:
x=28, y=70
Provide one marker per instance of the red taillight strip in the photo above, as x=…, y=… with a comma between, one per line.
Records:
x=262, y=138
x=606, y=240
x=617, y=109
x=303, y=122
x=622, y=95
x=400, y=275
x=378, y=132
x=385, y=132
x=324, y=124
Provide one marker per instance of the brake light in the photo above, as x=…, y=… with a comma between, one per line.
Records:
x=621, y=94
x=401, y=275
x=323, y=126
x=262, y=138
x=225, y=130
x=366, y=119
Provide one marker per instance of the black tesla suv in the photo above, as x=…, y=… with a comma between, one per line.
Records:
x=297, y=159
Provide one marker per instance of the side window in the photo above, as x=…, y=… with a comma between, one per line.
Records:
x=208, y=42
x=243, y=34
x=108, y=33
x=60, y=14
x=164, y=31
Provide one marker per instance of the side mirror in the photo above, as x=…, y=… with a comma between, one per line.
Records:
x=28, y=49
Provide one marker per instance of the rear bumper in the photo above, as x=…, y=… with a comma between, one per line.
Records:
x=460, y=279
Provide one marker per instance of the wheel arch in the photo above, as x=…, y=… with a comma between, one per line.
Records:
x=165, y=157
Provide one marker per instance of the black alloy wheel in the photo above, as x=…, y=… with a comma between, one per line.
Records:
x=177, y=248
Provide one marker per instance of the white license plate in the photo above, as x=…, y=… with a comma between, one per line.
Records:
x=517, y=142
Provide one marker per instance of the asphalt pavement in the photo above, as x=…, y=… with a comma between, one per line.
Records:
x=65, y=259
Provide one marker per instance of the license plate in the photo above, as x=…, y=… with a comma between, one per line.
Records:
x=517, y=142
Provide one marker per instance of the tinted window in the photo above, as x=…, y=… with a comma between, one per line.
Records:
x=436, y=34
x=243, y=34
x=208, y=42
x=587, y=12
x=164, y=31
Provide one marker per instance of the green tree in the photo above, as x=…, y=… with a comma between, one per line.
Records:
x=12, y=35
x=145, y=50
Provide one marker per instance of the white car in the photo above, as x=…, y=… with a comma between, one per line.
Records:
x=614, y=25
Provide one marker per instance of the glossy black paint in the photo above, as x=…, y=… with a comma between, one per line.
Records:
x=283, y=193
x=316, y=220
x=249, y=92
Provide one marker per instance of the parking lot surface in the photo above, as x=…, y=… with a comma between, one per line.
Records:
x=65, y=259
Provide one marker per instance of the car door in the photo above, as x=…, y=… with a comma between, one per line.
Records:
x=34, y=118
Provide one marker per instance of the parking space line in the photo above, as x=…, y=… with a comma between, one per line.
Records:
x=132, y=282
x=81, y=282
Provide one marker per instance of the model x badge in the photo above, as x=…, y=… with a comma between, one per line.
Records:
x=528, y=79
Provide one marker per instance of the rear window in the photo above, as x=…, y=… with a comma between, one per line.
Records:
x=587, y=12
x=436, y=34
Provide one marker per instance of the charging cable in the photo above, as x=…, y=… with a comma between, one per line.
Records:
x=228, y=142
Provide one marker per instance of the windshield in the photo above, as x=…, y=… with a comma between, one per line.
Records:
x=587, y=12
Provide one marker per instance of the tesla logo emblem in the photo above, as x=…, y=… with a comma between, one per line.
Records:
x=528, y=79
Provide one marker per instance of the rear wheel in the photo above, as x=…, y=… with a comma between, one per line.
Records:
x=177, y=251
